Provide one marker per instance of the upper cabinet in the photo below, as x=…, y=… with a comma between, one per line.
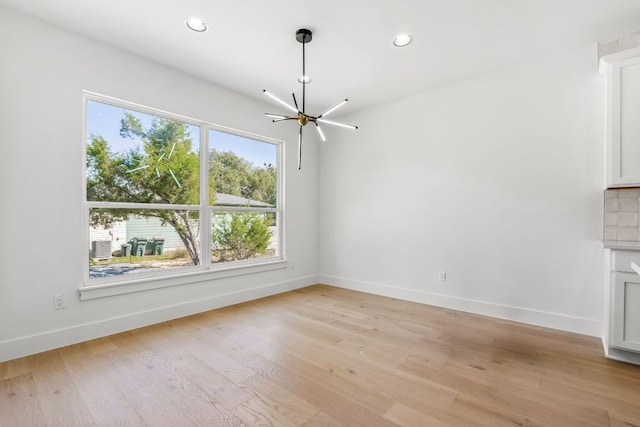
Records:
x=622, y=71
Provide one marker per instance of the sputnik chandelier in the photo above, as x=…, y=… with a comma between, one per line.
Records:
x=304, y=36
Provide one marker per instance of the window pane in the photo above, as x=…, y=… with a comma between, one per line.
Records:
x=242, y=171
x=140, y=158
x=130, y=241
x=238, y=236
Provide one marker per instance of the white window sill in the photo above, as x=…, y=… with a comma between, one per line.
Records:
x=88, y=292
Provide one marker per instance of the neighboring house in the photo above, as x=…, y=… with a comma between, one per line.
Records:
x=231, y=200
x=122, y=232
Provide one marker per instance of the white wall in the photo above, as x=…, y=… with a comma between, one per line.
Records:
x=497, y=181
x=43, y=71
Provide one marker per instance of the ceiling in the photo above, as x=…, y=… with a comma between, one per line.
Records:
x=251, y=46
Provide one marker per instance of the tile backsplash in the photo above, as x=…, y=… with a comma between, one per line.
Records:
x=621, y=213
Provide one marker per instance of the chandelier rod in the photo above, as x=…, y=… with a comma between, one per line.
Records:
x=304, y=75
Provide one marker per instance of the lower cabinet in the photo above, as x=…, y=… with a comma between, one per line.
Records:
x=621, y=311
x=625, y=311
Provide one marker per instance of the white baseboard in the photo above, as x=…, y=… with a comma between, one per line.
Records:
x=24, y=346
x=623, y=355
x=592, y=327
x=620, y=354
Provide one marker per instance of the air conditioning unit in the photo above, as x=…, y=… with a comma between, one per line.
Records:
x=101, y=249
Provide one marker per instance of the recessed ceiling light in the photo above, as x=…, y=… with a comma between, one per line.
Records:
x=197, y=24
x=402, y=40
x=304, y=79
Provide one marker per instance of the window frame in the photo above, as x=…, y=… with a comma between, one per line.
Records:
x=207, y=270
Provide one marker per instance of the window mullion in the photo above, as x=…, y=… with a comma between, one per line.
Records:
x=151, y=206
x=205, y=210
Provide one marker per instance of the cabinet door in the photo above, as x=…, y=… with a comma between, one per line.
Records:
x=625, y=311
x=623, y=118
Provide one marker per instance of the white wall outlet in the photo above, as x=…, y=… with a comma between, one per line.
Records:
x=292, y=264
x=443, y=276
x=58, y=302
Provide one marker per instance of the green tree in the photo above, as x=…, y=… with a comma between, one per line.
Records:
x=229, y=172
x=234, y=175
x=164, y=170
x=262, y=184
x=240, y=235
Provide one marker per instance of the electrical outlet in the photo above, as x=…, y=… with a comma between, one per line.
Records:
x=292, y=264
x=58, y=302
x=443, y=276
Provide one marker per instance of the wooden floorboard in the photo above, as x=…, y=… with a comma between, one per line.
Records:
x=324, y=356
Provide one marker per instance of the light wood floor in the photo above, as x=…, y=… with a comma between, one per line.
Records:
x=323, y=356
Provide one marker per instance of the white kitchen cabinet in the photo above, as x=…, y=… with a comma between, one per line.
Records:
x=621, y=322
x=625, y=311
x=622, y=71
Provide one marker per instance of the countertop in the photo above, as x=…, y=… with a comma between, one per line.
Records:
x=618, y=244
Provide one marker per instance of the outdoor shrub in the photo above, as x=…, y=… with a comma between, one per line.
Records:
x=239, y=235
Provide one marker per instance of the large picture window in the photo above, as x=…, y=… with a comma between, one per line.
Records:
x=166, y=194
